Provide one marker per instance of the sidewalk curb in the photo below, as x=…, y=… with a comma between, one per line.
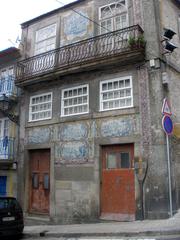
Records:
x=46, y=234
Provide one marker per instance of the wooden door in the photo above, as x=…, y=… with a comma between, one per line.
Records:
x=117, y=183
x=39, y=178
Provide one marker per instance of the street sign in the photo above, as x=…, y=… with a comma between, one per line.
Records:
x=166, y=107
x=167, y=124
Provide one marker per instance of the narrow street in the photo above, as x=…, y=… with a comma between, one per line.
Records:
x=26, y=237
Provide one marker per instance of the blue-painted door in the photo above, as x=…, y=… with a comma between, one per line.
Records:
x=3, y=180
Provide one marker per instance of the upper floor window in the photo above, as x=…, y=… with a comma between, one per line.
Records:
x=7, y=81
x=116, y=94
x=40, y=107
x=113, y=16
x=45, y=39
x=4, y=127
x=6, y=142
x=75, y=101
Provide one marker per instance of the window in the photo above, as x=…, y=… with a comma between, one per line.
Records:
x=40, y=107
x=113, y=16
x=4, y=128
x=116, y=94
x=115, y=160
x=7, y=81
x=75, y=101
x=5, y=141
x=45, y=39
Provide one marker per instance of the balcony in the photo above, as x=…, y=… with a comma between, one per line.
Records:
x=6, y=150
x=8, y=97
x=7, y=87
x=110, y=48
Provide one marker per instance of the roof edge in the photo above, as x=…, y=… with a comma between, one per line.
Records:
x=10, y=50
x=27, y=23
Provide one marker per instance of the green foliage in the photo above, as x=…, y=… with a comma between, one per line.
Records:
x=135, y=42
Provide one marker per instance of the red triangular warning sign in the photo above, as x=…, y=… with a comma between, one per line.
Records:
x=166, y=108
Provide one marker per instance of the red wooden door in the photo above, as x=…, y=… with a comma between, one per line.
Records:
x=117, y=183
x=39, y=178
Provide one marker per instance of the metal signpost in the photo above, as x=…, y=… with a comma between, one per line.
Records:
x=168, y=129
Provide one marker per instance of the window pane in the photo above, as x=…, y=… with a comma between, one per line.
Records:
x=104, y=86
x=128, y=102
x=35, y=180
x=127, y=83
x=105, y=105
x=128, y=92
x=46, y=181
x=111, y=161
x=125, y=160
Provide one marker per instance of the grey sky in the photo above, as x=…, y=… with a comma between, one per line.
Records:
x=15, y=12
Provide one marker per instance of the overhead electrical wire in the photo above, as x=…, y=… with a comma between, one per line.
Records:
x=80, y=14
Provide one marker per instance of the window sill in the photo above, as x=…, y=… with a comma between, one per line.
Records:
x=89, y=116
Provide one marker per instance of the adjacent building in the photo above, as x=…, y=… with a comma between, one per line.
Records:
x=93, y=76
x=8, y=122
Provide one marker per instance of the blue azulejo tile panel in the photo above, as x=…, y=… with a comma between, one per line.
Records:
x=72, y=132
x=39, y=135
x=74, y=151
x=118, y=127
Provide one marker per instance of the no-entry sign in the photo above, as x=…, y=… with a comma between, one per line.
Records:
x=167, y=124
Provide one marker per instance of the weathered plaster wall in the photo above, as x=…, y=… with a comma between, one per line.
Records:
x=70, y=27
x=76, y=143
x=170, y=19
x=76, y=162
x=169, y=13
x=74, y=27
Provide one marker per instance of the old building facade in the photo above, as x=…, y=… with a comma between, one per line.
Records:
x=8, y=122
x=91, y=140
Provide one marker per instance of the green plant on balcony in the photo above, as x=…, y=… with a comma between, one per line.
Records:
x=136, y=42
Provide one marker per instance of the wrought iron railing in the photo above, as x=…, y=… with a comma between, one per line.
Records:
x=7, y=86
x=6, y=148
x=100, y=47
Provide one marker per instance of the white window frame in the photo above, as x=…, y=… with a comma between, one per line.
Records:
x=62, y=100
x=113, y=17
x=111, y=81
x=44, y=40
x=30, y=107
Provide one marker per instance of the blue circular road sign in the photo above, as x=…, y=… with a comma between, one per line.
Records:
x=167, y=124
